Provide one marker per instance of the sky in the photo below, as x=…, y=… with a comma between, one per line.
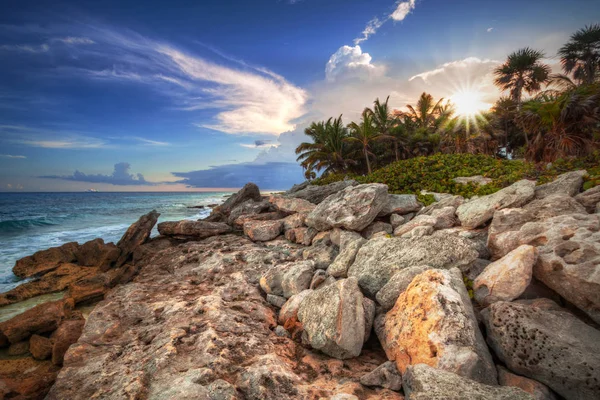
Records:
x=204, y=95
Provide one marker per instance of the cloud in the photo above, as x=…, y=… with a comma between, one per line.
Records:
x=26, y=48
x=370, y=29
x=351, y=62
x=259, y=144
x=11, y=156
x=49, y=139
x=490, y=29
x=74, y=40
x=403, y=8
x=119, y=177
x=149, y=142
x=268, y=176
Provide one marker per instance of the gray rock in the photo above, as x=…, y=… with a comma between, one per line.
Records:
x=263, y=231
x=316, y=194
x=353, y=208
x=446, y=201
x=390, y=292
x=589, y=199
x=321, y=255
x=297, y=187
x=370, y=309
x=288, y=315
x=297, y=278
x=281, y=332
x=137, y=234
x=339, y=267
x=276, y=301
x=548, y=345
x=195, y=229
x=318, y=278
x=222, y=390
x=419, y=232
x=568, y=184
x=291, y=205
x=478, y=180
x=257, y=382
x=249, y=192
x=422, y=382
x=433, y=322
x=418, y=222
x=380, y=258
x=302, y=235
x=385, y=376
x=294, y=221
x=376, y=227
x=249, y=207
x=538, y=390
x=400, y=204
x=396, y=220
x=333, y=318
x=477, y=212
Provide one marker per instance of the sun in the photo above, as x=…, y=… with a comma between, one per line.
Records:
x=468, y=103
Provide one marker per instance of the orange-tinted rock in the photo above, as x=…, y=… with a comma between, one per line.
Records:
x=26, y=378
x=40, y=347
x=136, y=235
x=96, y=253
x=45, y=261
x=67, y=333
x=538, y=390
x=19, y=349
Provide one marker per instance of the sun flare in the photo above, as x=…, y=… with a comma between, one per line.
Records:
x=468, y=103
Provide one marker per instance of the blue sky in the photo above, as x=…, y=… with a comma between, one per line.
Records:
x=131, y=95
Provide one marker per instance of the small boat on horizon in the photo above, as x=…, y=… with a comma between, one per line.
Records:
x=91, y=191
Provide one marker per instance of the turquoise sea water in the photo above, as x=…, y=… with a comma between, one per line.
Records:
x=36, y=221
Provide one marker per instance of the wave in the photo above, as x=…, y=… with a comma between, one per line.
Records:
x=17, y=225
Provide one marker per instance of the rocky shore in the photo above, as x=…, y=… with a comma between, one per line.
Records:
x=333, y=292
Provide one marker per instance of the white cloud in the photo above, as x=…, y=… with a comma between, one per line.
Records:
x=403, y=8
x=74, y=40
x=26, y=48
x=490, y=29
x=351, y=62
x=370, y=29
x=49, y=139
x=11, y=156
x=260, y=144
x=151, y=142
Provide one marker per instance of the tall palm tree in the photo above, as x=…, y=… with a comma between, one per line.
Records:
x=385, y=121
x=522, y=71
x=427, y=111
x=581, y=54
x=365, y=133
x=327, y=149
x=427, y=120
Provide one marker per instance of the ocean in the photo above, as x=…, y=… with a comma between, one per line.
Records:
x=36, y=221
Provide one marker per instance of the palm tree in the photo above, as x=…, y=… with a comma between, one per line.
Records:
x=504, y=113
x=365, y=133
x=581, y=54
x=385, y=122
x=327, y=150
x=427, y=120
x=522, y=71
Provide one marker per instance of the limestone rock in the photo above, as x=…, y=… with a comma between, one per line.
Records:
x=319, y=277
x=390, y=292
x=567, y=184
x=18, y=349
x=376, y=227
x=293, y=221
x=419, y=221
x=26, y=378
x=67, y=333
x=297, y=278
x=301, y=235
x=45, y=261
x=548, y=345
x=443, y=202
x=266, y=216
x=477, y=212
x=268, y=379
x=96, y=253
x=276, y=301
x=291, y=205
x=478, y=180
x=396, y=220
x=247, y=208
x=196, y=229
x=400, y=204
x=136, y=235
x=507, y=278
x=370, y=309
x=353, y=208
x=538, y=390
x=380, y=258
x=263, y=231
x=323, y=238
x=288, y=315
x=422, y=382
x=386, y=375
x=339, y=267
x=297, y=187
x=316, y=194
x=40, y=347
x=249, y=192
x=333, y=319
x=433, y=323
x=590, y=198
x=418, y=232
x=321, y=255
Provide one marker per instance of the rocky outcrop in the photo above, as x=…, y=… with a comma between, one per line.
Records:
x=263, y=231
x=333, y=319
x=316, y=194
x=546, y=344
x=247, y=209
x=380, y=258
x=291, y=205
x=507, y=278
x=249, y=192
x=350, y=243
x=567, y=184
x=67, y=333
x=297, y=278
x=400, y=204
x=398, y=283
x=40, y=347
x=301, y=235
x=589, y=199
x=353, y=208
x=422, y=382
x=375, y=228
x=538, y=390
x=433, y=323
x=45, y=261
x=479, y=211
x=136, y=235
x=26, y=378
x=192, y=229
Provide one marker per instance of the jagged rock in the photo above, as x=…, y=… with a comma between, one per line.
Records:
x=26, y=378
x=397, y=284
x=246, y=209
x=263, y=231
x=297, y=278
x=96, y=253
x=422, y=382
x=316, y=194
x=400, y=204
x=288, y=315
x=386, y=375
x=477, y=237
x=291, y=205
x=277, y=301
x=19, y=348
x=376, y=227
x=396, y=220
x=195, y=229
x=281, y=332
x=348, y=250
x=323, y=238
x=318, y=278
x=353, y=208
x=333, y=319
x=419, y=221
x=42, y=318
x=552, y=206
x=477, y=212
x=267, y=216
x=249, y=192
x=567, y=184
x=538, y=390
x=271, y=281
x=507, y=278
x=40, y=347
x=67, y=333
x=446, y=201
x=548, y=345
x=433, y=323
x=268, y=379
x=45, y=261
x=297, y=187
x=321, y=255
x=302, y=235
x=293, y=221
x=478, y=180
x=590, y=198
x=136, y=235
x=380, y=258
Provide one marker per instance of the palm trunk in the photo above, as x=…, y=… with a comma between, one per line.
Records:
x=367, y=159
x=396, y=149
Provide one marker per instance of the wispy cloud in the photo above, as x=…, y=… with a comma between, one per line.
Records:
x=48, y=138
x=11, y=156
x=259, y=144
x=490, y=29
x=370, y=29
x=26, y=48
x=403, y=8
x=151, y=142
x=119, y=177
x=74, y=40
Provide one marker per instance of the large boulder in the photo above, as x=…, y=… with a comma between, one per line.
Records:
x=507, y=278
x=590, y=198
x=567, y=184
x=422, y=382
x=333, y=319
x=380, y=258
x=67, y=333
x=441, y=218
x=96, y=253
x=297, y=278
x=350, y=243
x=433, y=322
x=546, y=344
x=389, y=293
x=136, y=235
x=316, y=194
x=478, y=211
x=353, y=208
x=538, y=390
x=195, y=229
x=263, y=231
x=291, y=205
x=246, y=209
x=386, y=376
x=40, y=347
x=45, y=261
x=446, y=201
x=249, y=192
x=400, y=204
